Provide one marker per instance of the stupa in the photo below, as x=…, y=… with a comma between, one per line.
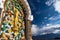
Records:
x=15, y=20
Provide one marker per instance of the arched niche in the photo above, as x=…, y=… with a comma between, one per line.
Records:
x=14, y=20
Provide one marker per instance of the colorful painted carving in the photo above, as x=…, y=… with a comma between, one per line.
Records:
x=12, y=22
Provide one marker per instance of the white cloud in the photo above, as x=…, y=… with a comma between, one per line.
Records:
x=50, y=28
x=48, y=24
x=47, y=29
x=51, y=18
x=57, y=5
x=56, y=31
x=35, y=29
x=49, y=2
x=54, y=17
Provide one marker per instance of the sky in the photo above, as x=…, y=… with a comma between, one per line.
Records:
x=46, y=16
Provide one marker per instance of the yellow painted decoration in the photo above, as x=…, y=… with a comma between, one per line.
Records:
x=9, y=30
x=15, y=29
x=16, y=33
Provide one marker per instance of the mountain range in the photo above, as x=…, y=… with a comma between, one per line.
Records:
x=46, y=37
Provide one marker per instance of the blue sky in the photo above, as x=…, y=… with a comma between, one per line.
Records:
x=46, y=16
